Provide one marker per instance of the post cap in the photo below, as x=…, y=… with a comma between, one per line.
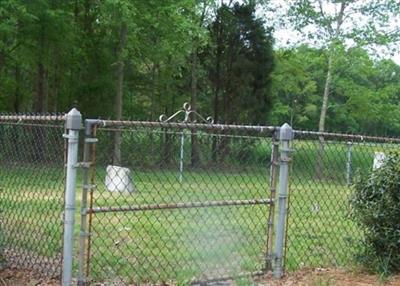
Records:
x=73, y=119
x=286, y=132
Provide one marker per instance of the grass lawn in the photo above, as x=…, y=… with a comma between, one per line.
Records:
x=182, y=244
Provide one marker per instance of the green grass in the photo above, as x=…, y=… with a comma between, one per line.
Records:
x=321, y=232
x=187, y=243
x=31, y=204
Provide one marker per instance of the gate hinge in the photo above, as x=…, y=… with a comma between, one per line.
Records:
x=70, y=137
x=285, y=160
x=91, y=140
x=89, y=187
x=84, y=234
x=85, y=165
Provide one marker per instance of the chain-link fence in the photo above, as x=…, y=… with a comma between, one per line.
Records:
x=32, y=192
x=178, y=201
x=321, y=231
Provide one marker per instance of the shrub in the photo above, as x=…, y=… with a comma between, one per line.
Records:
x=376, y=208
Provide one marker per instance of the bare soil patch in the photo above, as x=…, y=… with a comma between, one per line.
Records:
x=14, y=277
x=330, y=277
x=305, y=277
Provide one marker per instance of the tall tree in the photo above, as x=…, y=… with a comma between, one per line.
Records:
x=241, y=49
x=149, y=36
x=241, y=64
x=116, y=18
x=199, y=39
x=361, y=85
x=296, y=84
x=331, y=22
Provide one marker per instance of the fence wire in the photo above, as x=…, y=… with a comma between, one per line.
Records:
x=179, y=204
x=321, y=232
x=32, y=192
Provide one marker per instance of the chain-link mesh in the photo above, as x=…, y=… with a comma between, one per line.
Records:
x=179, y=204
x=320, y=230
x=32, y=192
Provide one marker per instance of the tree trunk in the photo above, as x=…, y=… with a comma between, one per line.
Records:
x=321, y=128
x=154, y=76
x=17, y=96
x=195, y=152
x=324, y=108
x=76, y=11
x=152, y=100
x=214, y=149
x=195, y=156
x=167, y=142
x=40, y=98
x=39, y=107
x=2, y=60
x=166, y=147
x=119, y=74
x=17, y=92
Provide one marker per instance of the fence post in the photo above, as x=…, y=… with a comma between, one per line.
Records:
x=181, y=154
x=285, y=138
x=72, y=124
x=273, y=173
x=348, y=162
x=89, y=140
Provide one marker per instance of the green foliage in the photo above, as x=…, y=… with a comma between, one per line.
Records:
x=329, y=24
x=240, y=65
x=365, y=22
x=360, y=86
x=55, y=55
x=376, y=208
x=295, y=87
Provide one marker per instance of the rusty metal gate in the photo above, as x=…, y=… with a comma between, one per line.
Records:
x=182, y=202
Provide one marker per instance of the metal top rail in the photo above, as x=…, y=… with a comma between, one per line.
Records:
x=32, y=117
x=196, y=126
x=260, y=129
x=349, y=137
x=183, y=125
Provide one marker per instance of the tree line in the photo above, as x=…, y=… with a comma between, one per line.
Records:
x=140, y=59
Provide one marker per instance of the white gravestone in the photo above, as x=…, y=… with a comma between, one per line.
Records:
x=379, y=159
x=118, y=179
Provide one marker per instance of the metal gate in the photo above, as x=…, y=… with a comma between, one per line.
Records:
x=182, y=202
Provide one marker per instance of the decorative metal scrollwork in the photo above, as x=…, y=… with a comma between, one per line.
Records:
x=187, y=111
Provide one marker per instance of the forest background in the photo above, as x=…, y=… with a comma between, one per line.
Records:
x=139, y=59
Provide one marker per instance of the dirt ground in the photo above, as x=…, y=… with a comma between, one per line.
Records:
x=330, y=277
x=305, y=277
x=11, y=277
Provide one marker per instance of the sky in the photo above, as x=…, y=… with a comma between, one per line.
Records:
x=285, y=36
x=288, y=36
x=396, y=58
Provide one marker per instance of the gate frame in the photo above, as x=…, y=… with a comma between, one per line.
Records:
x=88, y=186
x=280, y=155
